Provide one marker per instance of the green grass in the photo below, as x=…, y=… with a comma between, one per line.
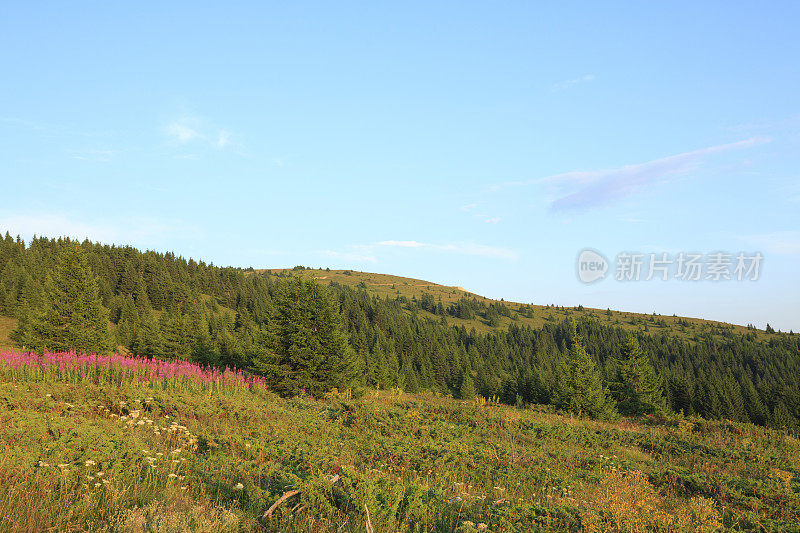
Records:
x=415, y=463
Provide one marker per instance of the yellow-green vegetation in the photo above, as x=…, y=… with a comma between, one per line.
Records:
x=127, y=457
x=7, y=325
x=533, y=315
x=426, y=338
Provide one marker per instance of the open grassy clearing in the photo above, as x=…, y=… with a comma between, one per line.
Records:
x=94, y=454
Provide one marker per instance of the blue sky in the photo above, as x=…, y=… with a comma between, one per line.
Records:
x=474, y=144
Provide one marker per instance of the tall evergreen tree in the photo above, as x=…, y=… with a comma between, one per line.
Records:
x=69, y=314
x=312, y=351
x=581, y=388
x=467, y=389
x=637, y=388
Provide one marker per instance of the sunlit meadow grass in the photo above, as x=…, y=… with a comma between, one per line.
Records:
x=121, y=444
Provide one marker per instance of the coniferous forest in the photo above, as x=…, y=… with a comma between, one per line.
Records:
x=310, y=336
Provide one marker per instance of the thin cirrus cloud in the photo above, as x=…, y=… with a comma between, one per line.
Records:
x=143, y=231
x=103, y=156
x=371, y=253
x=188, y=130
x=583, y=190
x=182, y=132
x=349, y=256
x=566, y=84
x=466, y=248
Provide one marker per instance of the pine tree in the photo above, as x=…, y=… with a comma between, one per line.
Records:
x=147, y=341
x=312, y=351
x=637, y=388
x=581, y=388
x=69, y=314
x=128, y=319
x=467, y=389
x=680, y=392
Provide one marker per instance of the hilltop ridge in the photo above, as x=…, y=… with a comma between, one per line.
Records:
x=527, y=314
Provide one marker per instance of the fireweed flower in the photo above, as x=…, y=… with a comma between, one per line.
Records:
x=129, y=368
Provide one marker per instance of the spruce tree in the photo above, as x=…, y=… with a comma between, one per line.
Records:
x=581, y=389
x=312, y=351
x=467, y=389
x=637, y=388
x=126, y=325
x=147, y=341
x=69, y=315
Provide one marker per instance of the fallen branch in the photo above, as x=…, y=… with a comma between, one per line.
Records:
x=291, y=494
x=369, y=522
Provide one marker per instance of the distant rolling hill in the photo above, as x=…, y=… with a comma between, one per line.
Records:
x=535, y=316
x=390, y=286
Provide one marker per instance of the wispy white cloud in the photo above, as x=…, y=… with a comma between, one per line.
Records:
x=141, y=231
x=465, y=248
x=402, y=244
x=182, y=132
x=191, y=129
x=103, y=156
x=223, y=138
x=282, y=161
x=51, y=130
x=580, y=190
x=472, y=208
x=776, y=242
x=349, y=256
x=51, y=225
x=373, y=252
x=566, y=84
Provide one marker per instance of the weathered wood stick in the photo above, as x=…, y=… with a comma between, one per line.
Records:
x=290, y=494
x=369, y=522
x=286, y=496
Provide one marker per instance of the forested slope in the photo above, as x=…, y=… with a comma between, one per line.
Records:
x=164, y=306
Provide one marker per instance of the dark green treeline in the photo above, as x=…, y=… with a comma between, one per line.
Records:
x=160, y=305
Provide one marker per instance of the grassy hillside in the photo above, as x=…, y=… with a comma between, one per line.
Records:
x=385, y=285
x=112, y=451
x=167, y=307
x=535, y=316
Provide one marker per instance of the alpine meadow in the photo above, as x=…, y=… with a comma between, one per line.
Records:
x=210, y=394
x=418, y=267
